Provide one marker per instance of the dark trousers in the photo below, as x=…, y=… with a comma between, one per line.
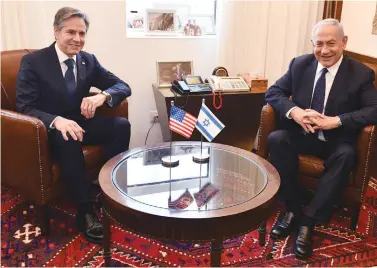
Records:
x=339, y=160
x=111, y=132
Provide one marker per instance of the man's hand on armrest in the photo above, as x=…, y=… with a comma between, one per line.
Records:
x=65, y=125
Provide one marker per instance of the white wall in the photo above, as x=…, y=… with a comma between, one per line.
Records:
x=132, y=59
x=357, y=19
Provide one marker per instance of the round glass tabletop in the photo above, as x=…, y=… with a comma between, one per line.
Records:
x=228, y=179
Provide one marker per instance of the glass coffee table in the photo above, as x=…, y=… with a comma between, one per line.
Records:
x=136, y=188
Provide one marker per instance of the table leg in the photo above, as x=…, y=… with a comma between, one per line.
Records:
x=216, y=250
x=106, y=239
x=262, y=233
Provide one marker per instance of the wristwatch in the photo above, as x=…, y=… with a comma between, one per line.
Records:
x=340, y=122
x=108, y=96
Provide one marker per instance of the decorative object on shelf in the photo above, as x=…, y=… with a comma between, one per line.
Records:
x=204, y=22
x=192, y=29
x=161, y=21
x=220, y=71
x=135, y=21
x=256, y=84
x=172, y=70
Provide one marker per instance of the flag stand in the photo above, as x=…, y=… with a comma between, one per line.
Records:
x=167, y=160
x=201, y=158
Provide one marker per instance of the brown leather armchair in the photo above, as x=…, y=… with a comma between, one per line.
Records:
x=310, y=167
x=26, y=165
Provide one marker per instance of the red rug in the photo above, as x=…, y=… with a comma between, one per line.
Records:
x=23, y=245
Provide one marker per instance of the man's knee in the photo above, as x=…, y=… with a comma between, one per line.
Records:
x=122, y=126
x=277, y=137
x=346, y=154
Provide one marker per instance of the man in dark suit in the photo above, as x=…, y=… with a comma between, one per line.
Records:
x=53, y=85
x=333, y=98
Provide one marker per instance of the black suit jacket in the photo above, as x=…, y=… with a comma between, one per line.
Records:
x=352, y=97
x=41, y=90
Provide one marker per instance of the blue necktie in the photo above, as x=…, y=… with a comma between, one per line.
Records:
x=70, y=81
x=318, y=99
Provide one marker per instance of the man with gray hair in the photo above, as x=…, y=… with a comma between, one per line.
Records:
x=332, y=99
x=53, y=85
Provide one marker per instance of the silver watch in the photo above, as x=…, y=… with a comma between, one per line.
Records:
x=108, y=96
x=340, y=122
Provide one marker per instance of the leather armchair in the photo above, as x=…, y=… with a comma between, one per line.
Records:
x=26, y=165
x=311, y=167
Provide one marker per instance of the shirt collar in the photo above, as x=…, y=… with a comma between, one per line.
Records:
x=333, y=69
x=61, y=56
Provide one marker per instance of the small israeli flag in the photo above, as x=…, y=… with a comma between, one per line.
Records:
x=208, y=124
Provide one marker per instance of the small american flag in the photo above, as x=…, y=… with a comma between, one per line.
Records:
x=181, y=122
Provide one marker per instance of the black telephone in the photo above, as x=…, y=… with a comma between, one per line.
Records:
x=190, y=85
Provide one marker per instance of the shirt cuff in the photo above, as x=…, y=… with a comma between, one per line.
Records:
x=288, y=114
x=52, y=123
x=110, y=102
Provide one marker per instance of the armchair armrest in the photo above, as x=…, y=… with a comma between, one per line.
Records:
x=366, y=157
x=266, y=126
x=25, y=161
x=119, y=111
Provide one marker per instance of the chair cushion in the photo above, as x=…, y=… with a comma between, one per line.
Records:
x=310, y=166
x=94, y=157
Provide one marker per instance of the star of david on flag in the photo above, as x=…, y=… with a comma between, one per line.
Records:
x=181, y=122
x=208, y=124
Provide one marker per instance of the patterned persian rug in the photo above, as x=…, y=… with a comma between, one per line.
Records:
x=23, y=245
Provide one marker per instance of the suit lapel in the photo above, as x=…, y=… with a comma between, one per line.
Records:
x=55, y=70
x=337, y=85
x=81, y=71
x=308, y=82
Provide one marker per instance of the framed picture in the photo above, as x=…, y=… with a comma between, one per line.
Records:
x=169, y=71
x=205, y=24
x=135, y=21
x=161, y=21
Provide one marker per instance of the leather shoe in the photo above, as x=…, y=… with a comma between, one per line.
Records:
x=304, y=243
x=283, y=226
x=91, y=227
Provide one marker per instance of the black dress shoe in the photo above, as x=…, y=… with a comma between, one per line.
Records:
x=284, y=225
x=304, y=243
x=91, y=227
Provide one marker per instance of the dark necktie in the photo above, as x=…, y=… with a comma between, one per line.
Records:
x=70, y=81
x=318, y=99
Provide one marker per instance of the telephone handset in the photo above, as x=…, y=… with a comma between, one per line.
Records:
x=228, y=83
x=190, y=85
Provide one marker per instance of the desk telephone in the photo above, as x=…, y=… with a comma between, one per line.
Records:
x=191, y=85
x=228, y=83
x=195, y=85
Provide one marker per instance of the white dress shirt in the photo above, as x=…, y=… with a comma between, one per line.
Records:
x=63, y=57
x=330, y=76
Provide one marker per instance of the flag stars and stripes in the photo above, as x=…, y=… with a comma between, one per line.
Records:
x=181, y=122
